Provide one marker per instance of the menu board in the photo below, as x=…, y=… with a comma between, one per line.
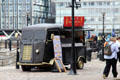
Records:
x=57, y=47
x=60, y=66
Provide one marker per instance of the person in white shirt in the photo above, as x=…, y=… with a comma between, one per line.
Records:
x=118, y=43
x=111, y=60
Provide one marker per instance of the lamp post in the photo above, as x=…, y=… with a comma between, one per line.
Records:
x=113, y=29
x=103, y=38
x=103, y=26
x=73, y=61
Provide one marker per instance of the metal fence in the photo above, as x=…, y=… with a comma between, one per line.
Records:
x=7, y=57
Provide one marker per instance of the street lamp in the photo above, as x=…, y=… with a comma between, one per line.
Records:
x=103, y=25
x=103, y=38
x=73, y=63
x=113, y=29
x=78, y=3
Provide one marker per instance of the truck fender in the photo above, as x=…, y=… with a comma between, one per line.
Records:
x=81, y=58
x=80, y=62
x=51, y=61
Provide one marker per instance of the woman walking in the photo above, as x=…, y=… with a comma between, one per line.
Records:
x=111, y=60
x=118, y=43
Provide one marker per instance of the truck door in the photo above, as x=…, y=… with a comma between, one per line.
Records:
x=49, y=52
x=39, y=45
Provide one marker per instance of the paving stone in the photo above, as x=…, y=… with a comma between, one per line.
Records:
x=92, y=71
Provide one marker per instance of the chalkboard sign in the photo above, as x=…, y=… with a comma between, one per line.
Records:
x=60, y=66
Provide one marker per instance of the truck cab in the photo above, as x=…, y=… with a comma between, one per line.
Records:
x=36, y=46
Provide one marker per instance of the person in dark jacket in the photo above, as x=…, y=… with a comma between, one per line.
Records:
x=95, y=38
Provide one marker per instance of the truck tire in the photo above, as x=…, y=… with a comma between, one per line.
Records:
x=25, y=68
x=80, y=63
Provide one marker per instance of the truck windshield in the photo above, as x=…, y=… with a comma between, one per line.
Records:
x=37, y=35
x=27, y=35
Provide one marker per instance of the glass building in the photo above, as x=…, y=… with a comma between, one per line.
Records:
x=93, y=11
x=15, y=14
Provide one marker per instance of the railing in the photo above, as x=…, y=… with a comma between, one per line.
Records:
x=8, y=60
x=7, y=57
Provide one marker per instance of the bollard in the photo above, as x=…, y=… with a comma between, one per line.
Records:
x=10, y=45
x=0, y=45
x=2, y=63
x=5, y=44
x=17, y=57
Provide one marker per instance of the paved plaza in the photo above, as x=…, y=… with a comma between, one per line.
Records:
x=92, y=71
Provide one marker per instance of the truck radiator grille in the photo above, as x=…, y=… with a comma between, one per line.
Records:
x=27, y=52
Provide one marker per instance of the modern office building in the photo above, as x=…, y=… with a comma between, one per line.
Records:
x=93, y=11
x=15, y=14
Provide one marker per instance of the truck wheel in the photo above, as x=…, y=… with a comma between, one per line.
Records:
x=26, y=68
x=80, y=64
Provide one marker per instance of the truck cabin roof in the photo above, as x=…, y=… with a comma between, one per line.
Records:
x=43, y=27
x=46, y=26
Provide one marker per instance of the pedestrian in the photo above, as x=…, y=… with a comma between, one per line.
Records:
x=111, y=60
x=95, y=38
x=118, y=42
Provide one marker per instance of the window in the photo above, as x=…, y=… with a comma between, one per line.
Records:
x=61, y=4
x=20, y=1
x=3, y=0
x=100, y=3
x=28, y=1
x=28, y=7
x=11, y=8
x=100, y=19
x=92, y=19
x=84, y=3
x=68, y=4
x=15, y=8
x=92, y=3
x=117, y=3
x=108, y=3
x=116, y=10
x=11, y=0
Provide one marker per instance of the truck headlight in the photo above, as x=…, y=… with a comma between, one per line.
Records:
x=37, y=50
x=18, y=50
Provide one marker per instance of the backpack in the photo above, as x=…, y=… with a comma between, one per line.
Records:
x=107, y=50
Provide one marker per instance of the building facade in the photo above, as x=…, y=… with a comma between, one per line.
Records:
x=93, y=11
x=15, y=14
